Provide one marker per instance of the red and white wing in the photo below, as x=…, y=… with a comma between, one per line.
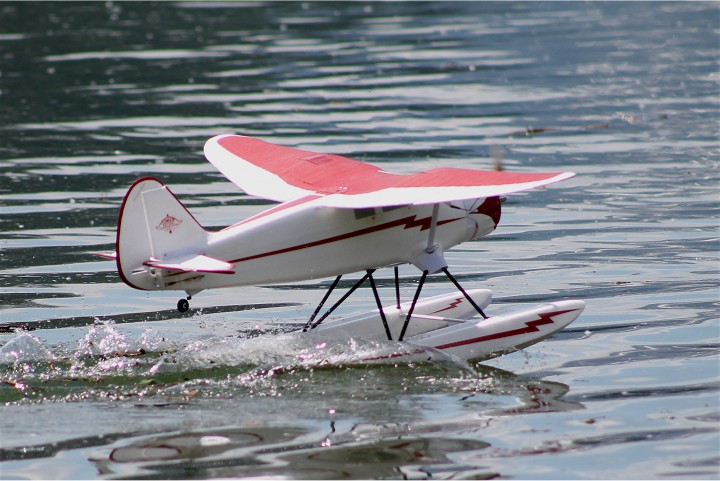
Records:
x=284, y=173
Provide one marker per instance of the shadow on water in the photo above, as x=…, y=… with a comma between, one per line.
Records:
x=363, y=452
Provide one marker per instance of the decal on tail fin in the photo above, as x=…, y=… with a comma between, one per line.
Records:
x=154, y=231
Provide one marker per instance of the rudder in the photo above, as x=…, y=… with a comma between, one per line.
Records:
x=152, y=226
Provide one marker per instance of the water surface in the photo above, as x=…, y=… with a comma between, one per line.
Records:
x=99, y=380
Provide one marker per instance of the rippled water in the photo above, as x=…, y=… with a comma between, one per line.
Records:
x=99, y=380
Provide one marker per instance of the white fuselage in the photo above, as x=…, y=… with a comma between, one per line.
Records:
x=301, y=240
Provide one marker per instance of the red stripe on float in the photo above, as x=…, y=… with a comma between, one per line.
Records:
x=530, y=326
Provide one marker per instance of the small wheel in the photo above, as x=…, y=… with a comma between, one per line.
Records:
x=183, y=305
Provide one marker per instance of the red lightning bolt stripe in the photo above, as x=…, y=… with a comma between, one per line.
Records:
x=530, y=326
x=406, y=222
x=452, y=305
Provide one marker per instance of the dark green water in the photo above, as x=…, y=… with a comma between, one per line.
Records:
x=108, y=382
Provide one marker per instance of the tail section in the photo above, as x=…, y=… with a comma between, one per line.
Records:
x=156, y=232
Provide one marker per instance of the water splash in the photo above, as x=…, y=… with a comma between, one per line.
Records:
x=102, y=339
x=285, y=351
x=109, y=361
x=24, y=348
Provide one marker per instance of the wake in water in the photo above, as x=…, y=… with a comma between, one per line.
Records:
x=116, y=363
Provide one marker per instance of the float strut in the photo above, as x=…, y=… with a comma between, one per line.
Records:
x=322, y=303
x=379, y=305
x=342, y=299
x=412, y=306
x=459, y=287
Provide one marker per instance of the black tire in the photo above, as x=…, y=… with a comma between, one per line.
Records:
x=183, y=305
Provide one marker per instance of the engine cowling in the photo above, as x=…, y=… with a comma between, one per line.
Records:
x=483, y=217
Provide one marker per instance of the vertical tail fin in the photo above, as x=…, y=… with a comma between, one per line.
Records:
x=153, y=226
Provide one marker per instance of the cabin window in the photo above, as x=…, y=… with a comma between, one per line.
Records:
x=391, y=208
x=363, y=213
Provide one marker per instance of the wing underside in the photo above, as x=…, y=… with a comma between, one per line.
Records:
x=283, y=173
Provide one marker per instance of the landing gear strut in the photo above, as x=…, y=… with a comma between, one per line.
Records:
x=312, y=323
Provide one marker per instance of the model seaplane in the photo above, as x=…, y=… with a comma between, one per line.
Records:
x=337, y=216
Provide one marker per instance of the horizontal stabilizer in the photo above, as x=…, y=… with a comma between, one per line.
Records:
x=199, y=263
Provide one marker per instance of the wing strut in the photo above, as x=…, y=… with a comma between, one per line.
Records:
x=397, y=287
x=433, y=225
